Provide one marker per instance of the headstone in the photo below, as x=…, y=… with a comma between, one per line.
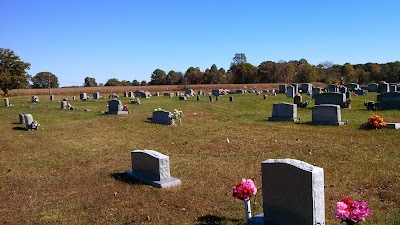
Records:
x=239, y=91
x=306, y=88
x=198, y=98
x=392, y=88
x=383, y=88
x=131, y=94
x=216, y=98
x=373, y=87
x=64, y=105
x=126, y=95
x=6, y=102
x=342, y=89
x=189, y=92
x=113, y=95
x=199, y=92
x=51, y=97
x=177, y=94
x=284, y=112
x=333, y=88
x=393, y=126
x=96, y=95
x=389, y=100
x=142, y=94
x=28, y=121
x=316, y=91
x=331, y=98
x=83, y=96
x=167, y=94
x=348, y=95
x=298, y=100
x=215, y=92
x=153, y=168
x=115, y=107
x=73, y=98
x=296, y=88
x=282, y=88
x=211, y=99
x=290, y=91
x=326, y=114
x=353, y=86
x=162, y=117
x=293, y=193
x=360, y=91
x=35, y=98
x=231, y=98
x=184, y=98
x=157, y=94
x=21, y=118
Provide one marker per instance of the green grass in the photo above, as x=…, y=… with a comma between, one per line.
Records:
x=67, y=171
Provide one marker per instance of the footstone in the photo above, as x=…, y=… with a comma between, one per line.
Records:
x=153, y=168
x=393, y=126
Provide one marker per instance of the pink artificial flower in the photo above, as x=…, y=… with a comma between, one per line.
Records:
x=244, y=190
x=342, y=211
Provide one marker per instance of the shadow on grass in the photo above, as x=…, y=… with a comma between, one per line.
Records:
x=217, y=220
x=125, y=178
x=19, y=128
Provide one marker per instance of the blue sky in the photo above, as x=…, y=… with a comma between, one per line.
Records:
x=129, y=39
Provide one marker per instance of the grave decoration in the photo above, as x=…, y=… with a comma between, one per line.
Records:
x=375, y=122
x=370, y=105
x=244, y=191
x=164, y=117
x=351, y=212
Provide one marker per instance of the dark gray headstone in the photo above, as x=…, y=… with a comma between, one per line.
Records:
x=198, y=98
x=333, y=88
x=162, y=117
x=360, y=91
x=383, y=88
x=152, y=167
x=284, y=112
x=96, y=95
x=115, y=107
x=316, y=91
x=83, y=96
x=298, y=100
x=293, y=193
x=392, y=88
x=306, y=87
x=282, y=88
x=342, y=89
x=389, y=100
x=157, y=94
x=199, y=92
x=73, y=98
x=216, y=92
x=189, y=92
x=240, y=91
x=373, y=87
x=352, y=86
x=290, y=91
x=326, y=115
x=184, y=98
x=21, y=118
x=296, y=88
x=331, y=98
x=231, y=98
x=211, y=99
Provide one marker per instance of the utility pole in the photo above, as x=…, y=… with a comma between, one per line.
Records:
x=49, y=85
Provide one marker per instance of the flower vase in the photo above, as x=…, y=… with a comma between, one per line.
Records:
x=247, y=209
x=349, y=222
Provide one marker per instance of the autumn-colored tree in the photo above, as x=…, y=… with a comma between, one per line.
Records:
x=194, y=75
x=348, y=72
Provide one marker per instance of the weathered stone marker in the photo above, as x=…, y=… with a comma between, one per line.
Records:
x=6, y=102
x=21, y=118
x=153, y=168
x=293, y=193
x=326, y=114
x=162, y=117
x=64, y=105
x=284, y=112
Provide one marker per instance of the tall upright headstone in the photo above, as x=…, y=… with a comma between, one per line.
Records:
x=64, y=105
x=96, y=95
x=83, y=96
x=373, y=87
x=326, y=114
x=293, y=193
x=282, y=88
x=51, y=97
x=383, y=88
x=316, y=91
x=6, y=102
x=115, y=107
x=290, y=91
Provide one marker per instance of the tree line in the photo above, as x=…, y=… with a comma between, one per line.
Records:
x=13, y=74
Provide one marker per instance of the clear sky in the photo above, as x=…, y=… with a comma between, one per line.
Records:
x=129, y=39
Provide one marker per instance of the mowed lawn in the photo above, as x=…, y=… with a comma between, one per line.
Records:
x=70, y=171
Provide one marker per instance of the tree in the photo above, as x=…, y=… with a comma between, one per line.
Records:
x=12, y=71
x=173, y=77
x=113, y=82
x=45, y=80
x=125, y=83
x=158, y=77
x=194, y=75
x=90, y=82
x=266, y=72
x=245, y=73
x=238, y=59
x=143, y=83
x=348, y=72
x=135, y=83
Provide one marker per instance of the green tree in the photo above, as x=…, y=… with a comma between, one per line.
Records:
x=194, y=75
x=13, y=73
x=158, y=77
x=173, y=77
x=239, y=58
x=245, y=73
x=45, y=80
x=113, y=82
x=266, y=72
x=348, y=72
x=125, y=83
x=90, y=82
x=135, y=83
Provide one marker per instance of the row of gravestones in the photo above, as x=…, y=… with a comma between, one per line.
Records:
x=298, y=199
x=27, y=119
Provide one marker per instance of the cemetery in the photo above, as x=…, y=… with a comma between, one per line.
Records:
x=148, y=166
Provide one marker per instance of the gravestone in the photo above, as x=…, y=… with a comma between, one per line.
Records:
x=6, y=102
x=389, y=100
x=383, y=88
x=28, y=122
x=198, y=97
x=131, y=94
x=282, y=88
x=199, y=92
x=342, y=89
x=96, y=95
x=126, y=94
x=189, y=92
x=360, y=91
x=113, y=95
x=184, y=98
x=298, y=100
x=64, y=105
x=83, y=96
x=348, y=95
x=211, y=99
x=331, y=98
x=326, y=114
x=215, y=92
x=296, y=88
x=115, y=107
x=231, y=98
x=35, y=98
x=216, y=98
x=392, y=88
x=293, y=193
x=290, y=91
x=306, y=88
x=284, y=112
x=316, y=91
x=353, y=86
x=21, y=118
x=157, y=94
x=240, y=91
x=162, y=117
x=373, y=87
x=51, y=97
x=73, y=98
x=333, y=88
x=153, y=168
x=142, y=94
x=167, y=94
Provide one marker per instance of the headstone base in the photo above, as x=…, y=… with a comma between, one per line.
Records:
x=329, y=123
x=393, y=126
x=172, y=181
x=278, y=119
x=117, y=112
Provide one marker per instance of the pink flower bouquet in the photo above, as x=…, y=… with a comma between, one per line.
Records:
x=245, y=189
x=351, y=212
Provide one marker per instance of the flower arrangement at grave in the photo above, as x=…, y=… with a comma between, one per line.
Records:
x=375, y=122
x=35, y=125
x=244, y=191
x=125, y=108
x=370, y=105
x=304, y=104
x=351, y=212
x=347, y=103
x=177, y=115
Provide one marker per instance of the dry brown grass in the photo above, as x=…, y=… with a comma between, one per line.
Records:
x=71, y=170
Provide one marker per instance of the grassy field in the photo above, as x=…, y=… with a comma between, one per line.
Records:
x=70, y=171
